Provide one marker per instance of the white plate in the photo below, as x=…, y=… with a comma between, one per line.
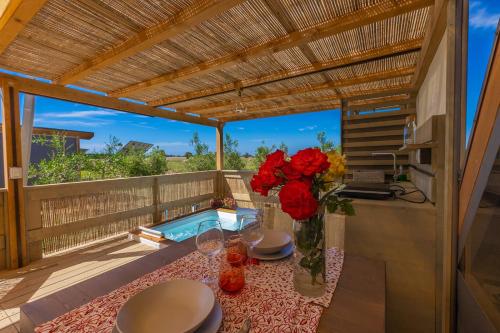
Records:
x=179, y=306
x=273, y=242
x=210, y=325
x=285, y=252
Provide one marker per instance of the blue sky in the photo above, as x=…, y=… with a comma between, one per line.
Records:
x=297, y=131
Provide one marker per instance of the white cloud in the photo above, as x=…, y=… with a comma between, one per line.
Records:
x=308, y=128
x=80, y=114
x=480, y=18
x=82, y=123
x=171, y=144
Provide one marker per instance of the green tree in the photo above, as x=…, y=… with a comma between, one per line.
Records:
x=139, y=163
x=61, y=167
x=110, y=163
x=324, y=144
x=260, y=154
x=283, y=147
x=202, y=159
x=200, y=148
x=232, y=158
x=157, y=161
x=135, y=163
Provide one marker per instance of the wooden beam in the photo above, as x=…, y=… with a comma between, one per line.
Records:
x=305, y=89
x=186, y=19
x=59, y=92
x=362, y=57
x=389, y=101
x=281, y=13
x=340, y=24
x=12, y=160
x=277, y=112
x=15, y=17
x=434, y=33
x=27, y=133
x=365, y=134
x=398, y=122
x=380, y=114
x=219, y=146
x=304, y=102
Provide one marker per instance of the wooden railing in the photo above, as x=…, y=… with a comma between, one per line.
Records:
x=237, y=185
x=63, y=216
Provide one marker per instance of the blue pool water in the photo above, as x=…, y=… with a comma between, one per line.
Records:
x=186, y=227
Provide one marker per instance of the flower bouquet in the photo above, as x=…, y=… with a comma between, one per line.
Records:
x=306, y=184
x=226, y=203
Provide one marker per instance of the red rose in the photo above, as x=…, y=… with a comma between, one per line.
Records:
x=297, y=200
x=258, y=186
x=269, y=172
x=290, y=173
x=275, y=160
x=269, y=176
x=310, y=161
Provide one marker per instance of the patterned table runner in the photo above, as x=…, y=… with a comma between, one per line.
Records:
x=270, y=301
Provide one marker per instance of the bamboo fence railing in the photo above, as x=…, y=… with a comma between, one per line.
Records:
x=63, y=216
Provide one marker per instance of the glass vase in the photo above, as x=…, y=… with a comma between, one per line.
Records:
x=309, y=268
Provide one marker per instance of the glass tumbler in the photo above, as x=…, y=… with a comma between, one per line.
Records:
x=234, y=244
x=232, y=273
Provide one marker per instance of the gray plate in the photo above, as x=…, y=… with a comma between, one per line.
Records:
x=177, y=306
x=273, y=242
x=210, y=325
x=285, y=252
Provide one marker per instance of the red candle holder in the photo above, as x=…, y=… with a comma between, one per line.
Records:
x=232, y=273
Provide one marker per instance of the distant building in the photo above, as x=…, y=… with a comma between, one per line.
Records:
x=40, y=152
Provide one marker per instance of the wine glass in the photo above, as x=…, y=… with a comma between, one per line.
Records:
x=210, y=242
x=251, y=232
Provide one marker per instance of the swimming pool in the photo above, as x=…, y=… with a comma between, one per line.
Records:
x=186, y=227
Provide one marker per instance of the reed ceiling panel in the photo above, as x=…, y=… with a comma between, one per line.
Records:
x=375, y=66
x=63, y=35
x=306, y=13
x=387, y=32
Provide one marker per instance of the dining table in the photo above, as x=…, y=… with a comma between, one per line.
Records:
x=358, y=303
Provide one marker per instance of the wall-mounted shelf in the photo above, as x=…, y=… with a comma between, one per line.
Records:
x=415, y=146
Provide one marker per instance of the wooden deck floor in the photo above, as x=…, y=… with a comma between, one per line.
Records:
x=58, y=272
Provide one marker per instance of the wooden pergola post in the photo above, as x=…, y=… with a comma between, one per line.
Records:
x=13, y=174
x=219, y=146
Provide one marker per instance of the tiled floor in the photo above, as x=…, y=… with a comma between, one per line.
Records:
x=51, y=274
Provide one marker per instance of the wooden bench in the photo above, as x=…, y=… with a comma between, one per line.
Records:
x=358, y=304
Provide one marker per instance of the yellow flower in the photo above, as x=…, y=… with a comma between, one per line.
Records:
x=337, y=166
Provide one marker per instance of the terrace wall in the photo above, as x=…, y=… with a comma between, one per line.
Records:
x=431, y=98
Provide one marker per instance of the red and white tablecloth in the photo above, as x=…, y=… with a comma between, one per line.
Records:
x=270, y=300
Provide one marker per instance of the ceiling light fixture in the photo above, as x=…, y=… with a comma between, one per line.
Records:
x=240, y=107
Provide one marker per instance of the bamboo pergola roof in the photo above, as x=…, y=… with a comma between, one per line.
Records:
x=287, y=56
